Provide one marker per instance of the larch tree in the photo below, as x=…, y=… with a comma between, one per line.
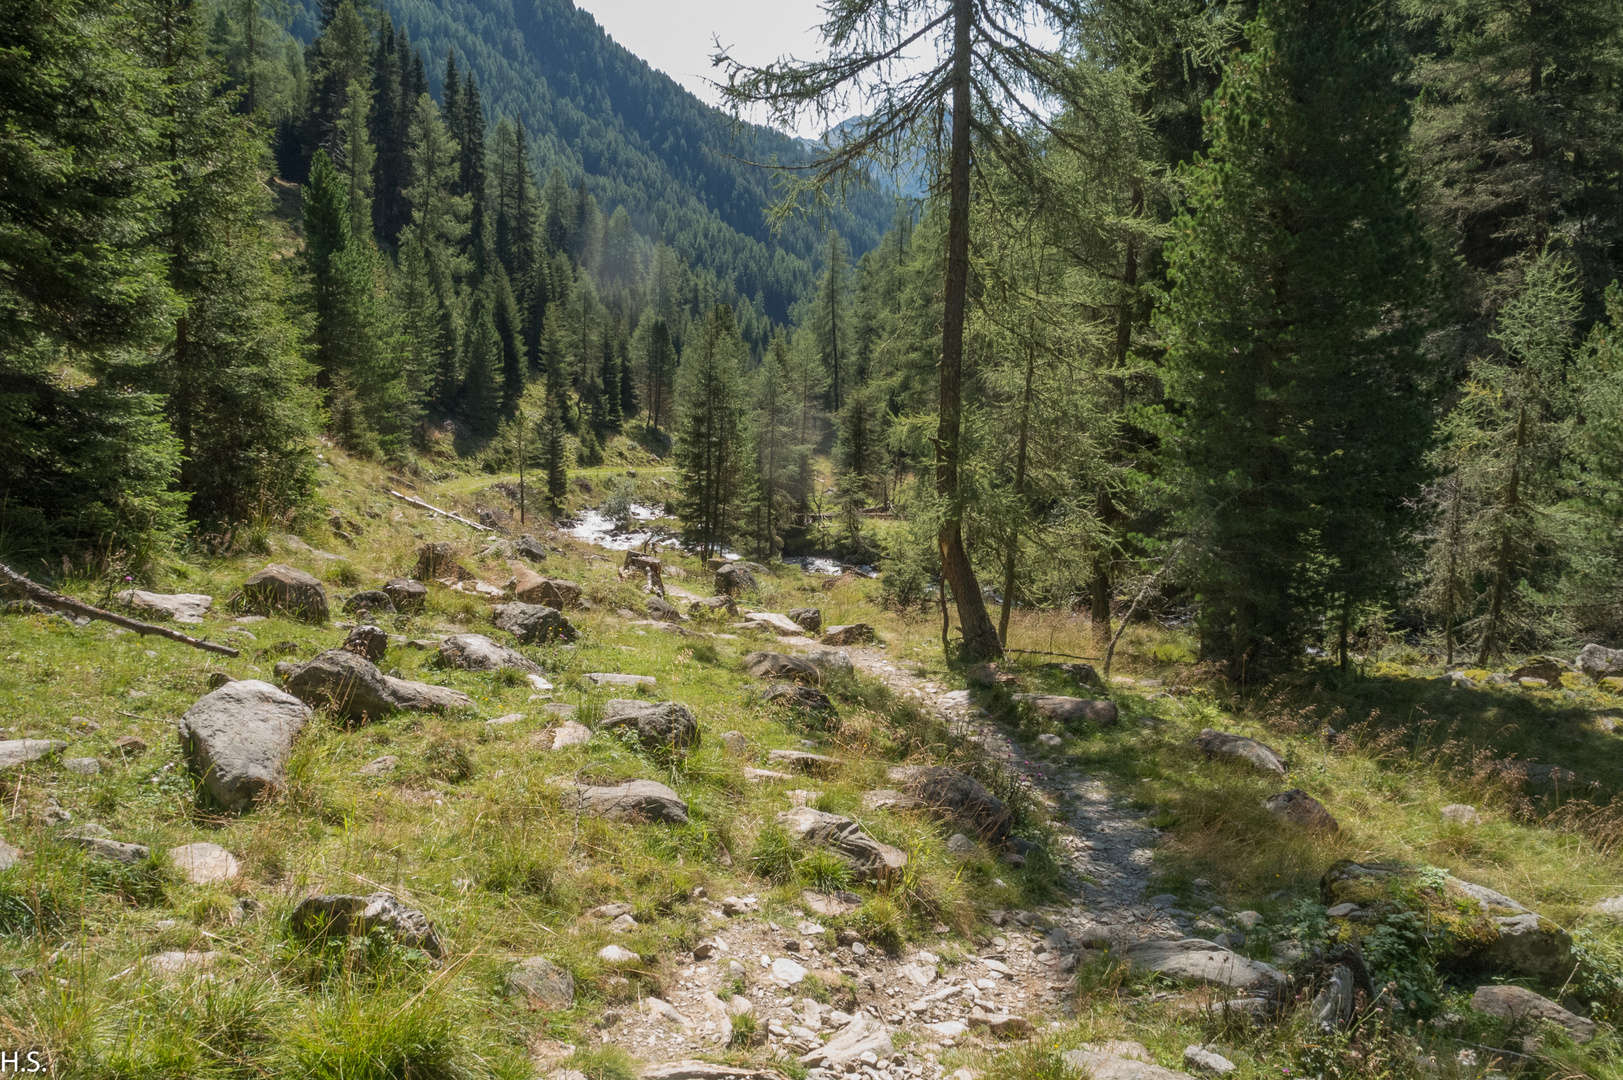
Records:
x=983, y=83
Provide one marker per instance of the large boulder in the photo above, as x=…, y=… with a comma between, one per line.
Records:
x=735, y=578
x=408, y=595
x=1071, y=710
x=637, y=800
x=1482, y=930
x=804, y=698
x=1599, y=662
x=1518, y=1004
x=368, y=641
x=662, y=610
x=659, y=725
x=863, y=1035
x=1220, y=744
x=1199, y=960
x=439, y=562
x=530, y=587
x=777, y=665
x=713, y=606
x=533, y=624
x=1118, y=1060
x=956, y=797
x=181, y=607
x=475, y=652
x=782, y=625
x=1300, y=808
x=358, y=916
x=238, y=739
x=831, y=661
x=530, y=548
x=345, y=682
x=282, y=588
x=845, y=838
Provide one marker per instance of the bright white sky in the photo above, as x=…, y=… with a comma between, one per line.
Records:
x=678, y=36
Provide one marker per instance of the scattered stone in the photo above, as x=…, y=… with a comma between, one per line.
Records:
x=1599, y=662
x=713, y=605
x=831, y=661
x=9, y=856
x=804, y=698
x=475, y=652
x=800, y=760
x=130, y=745
x=175, y=962
x=437, y=561
x=544, y=984
x=850, y=634
x=84, y=766
x=809, y=619
x=238, y=739
x=1333, y=1005
x=954, y=796
x=831, y=905
x=736, y=742
x=204, y=863
x=735, y=578
x=1544, y=670
x=1516, y=1003
x=704, y=1070
x=22, y=751
x=1461, y=814
x=406, y=594
x=1048, y=738
x=662, y=609
x=530, y=548
x=369, y=602
x=637, y=800
x=1238, y=748
x=1547, y=779
x=617, y=954
x=659, y=725
x=357, y=916
x=1300, y=808
x=532, y=588
x=181, y=607
x=569, y=733
x=845, y=838
x=782, y=625
x=1202, y=1059
x=863, y=1035
x=1001, y=1025
x=369, y=642
x=959, y=844
x=1119, y=1060
x=775, y=665
x=379, y=766
x=1070, y=710
x=111, y=850
x=1198, y=960
x=425, y=697
x=787, y=971
x=533, y=624
x=615, y=678
x=757, y=776
x=282, y=588
x=886, y=799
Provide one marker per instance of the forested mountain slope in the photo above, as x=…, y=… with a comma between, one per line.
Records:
x=680, y=168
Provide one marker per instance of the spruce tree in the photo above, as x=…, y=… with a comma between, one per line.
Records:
x=1293, y=369
x=480, y=399
x=233, y=371
x=438, y=227
x=657, y=359
x=90, y=460
x=709, y=429
x=830, y=321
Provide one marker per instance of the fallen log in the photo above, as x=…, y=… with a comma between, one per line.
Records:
x=41, y=595
x=421, y=505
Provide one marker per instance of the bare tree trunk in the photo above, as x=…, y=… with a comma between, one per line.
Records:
x=980, y=637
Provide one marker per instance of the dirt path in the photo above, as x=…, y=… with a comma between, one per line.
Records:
x=1105, y=846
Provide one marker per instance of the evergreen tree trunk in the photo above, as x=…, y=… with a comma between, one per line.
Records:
x=980, y=637
x=1492, y=626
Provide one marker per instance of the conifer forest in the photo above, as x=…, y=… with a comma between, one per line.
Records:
x=1295, y=318
x=1104, y=562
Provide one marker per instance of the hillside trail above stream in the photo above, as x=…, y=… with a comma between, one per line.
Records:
x=1104, y=847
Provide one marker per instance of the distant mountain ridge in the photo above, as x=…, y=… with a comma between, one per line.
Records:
x=680, y=167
